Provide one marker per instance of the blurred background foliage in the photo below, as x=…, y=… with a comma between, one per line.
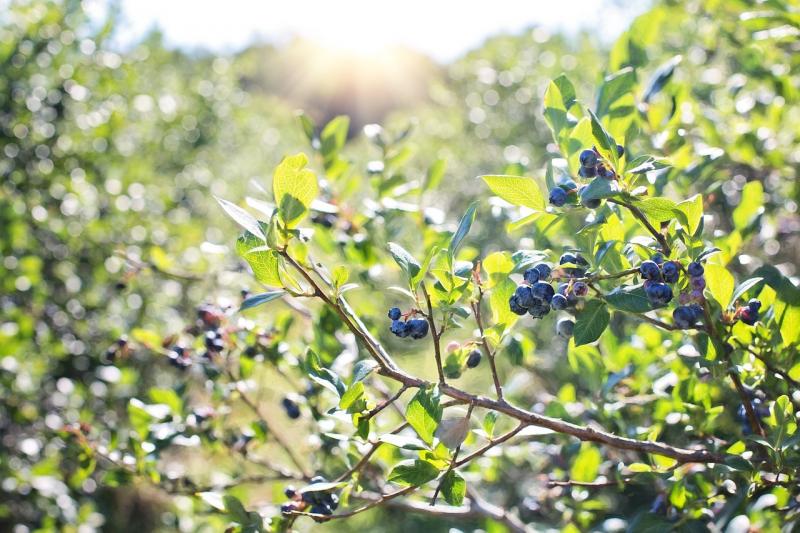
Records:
x=110, y=160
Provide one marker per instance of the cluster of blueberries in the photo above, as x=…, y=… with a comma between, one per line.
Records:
x=209, y=321
x=416, y=328
x=536, y=297
x=322, y=502
x=592, y=166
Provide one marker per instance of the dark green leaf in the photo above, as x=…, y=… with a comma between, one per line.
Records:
x=424, y=414
x=463, y=229
x=414, y=473
x=404, y=259
x=453, y=488
x=259, y=299
x=590, y=323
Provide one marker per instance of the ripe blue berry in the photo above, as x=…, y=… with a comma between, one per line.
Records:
x=580, y=288
x=695, y=269
x=564, y=328
x=588, y=158
x=684, y=317
x=748, y=316
x=605, y=172
x=290, y=491
x=754, y=305
x=568, y=258
x=558, y=197
x=542, y=291
x=657, y=258
x=287, y=508
x=620, y=150
x=418, y=328
x=531, y=276
x=474, y=358
x=659, y=294
x=400, y=328
x=650, y=270
x=544, y=271
x=671, y=271
x=559, y=302
x=697, y=283
x=394, y=313
x=587, y=172
x=515, y=306
x=525, y=296
x=540, y=309
x=291, y=408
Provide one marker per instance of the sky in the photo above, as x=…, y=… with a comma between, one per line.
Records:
x=442, y=29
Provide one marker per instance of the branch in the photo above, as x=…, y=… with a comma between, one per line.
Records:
x=638, y=215
x=491, y=444
x=476, y=310
x=437, y=349
x=769, y=366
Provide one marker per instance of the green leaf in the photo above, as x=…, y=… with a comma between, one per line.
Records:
x=600, y=188
x=645, y=164
x=558, y=99
x=243, y=218
x=424, y=414
x=517, y=190
x=453, y=488
x=307, y=124
x=426, y=263
x=614, y=88
x=630, y=298
x=657, y=210
x=489, y=422
x=743, y=287
x=403, y=441
x=294, y=187
x=322, y=375
x=235, y=509
x=168, y=397
x=498, y=302
x=405, y=260
x=719, y=282
x=363, y=368
x=693, y=209
x=259, y=299
x=264, y=262
x=333, y=137
x=785, y=289
x=351, y=395
x=463, y=229
x=587, y=464
x=590, y=323
x=435, y=174
x=139, y=417
x=604, y=144
x=752, y=204
x=414, y=473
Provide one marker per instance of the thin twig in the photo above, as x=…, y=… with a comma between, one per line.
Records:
x=638, y=215
x=490, y=353
x=437, y=349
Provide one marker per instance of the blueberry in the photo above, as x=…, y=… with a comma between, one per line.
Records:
x=671, y=271
x=748, y=316
x=515, y=306
x=559, y=302
x=754, y=305
x=659, y=294
x=695, y=269
x=568, y=185
x=291, y=408
x=418, y=328
x=587, y=172
x=657, y=258
x=605, y=172
x=400, y=328
x=580, y=288
x=564, y=328
x=542, y=291
x=539, y=310
x=558, y=197
x=697, y=283
x=333, y=501
x=562, y=289
x=568, y=258
x=394, y=313
x=544, y=271
x=650, y=270
x=589, y=203
x=684, y=317
x=290, y=492
x=474, y=358
x=525, y=296
x=287, y=508
x=588, y=158
x=531, y=276
x=620, y=150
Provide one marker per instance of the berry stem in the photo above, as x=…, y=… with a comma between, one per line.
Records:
x=490, y=353
x=435, y=334
x=638, y=215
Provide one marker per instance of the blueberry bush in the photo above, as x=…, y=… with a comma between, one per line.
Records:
x=595, y=330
